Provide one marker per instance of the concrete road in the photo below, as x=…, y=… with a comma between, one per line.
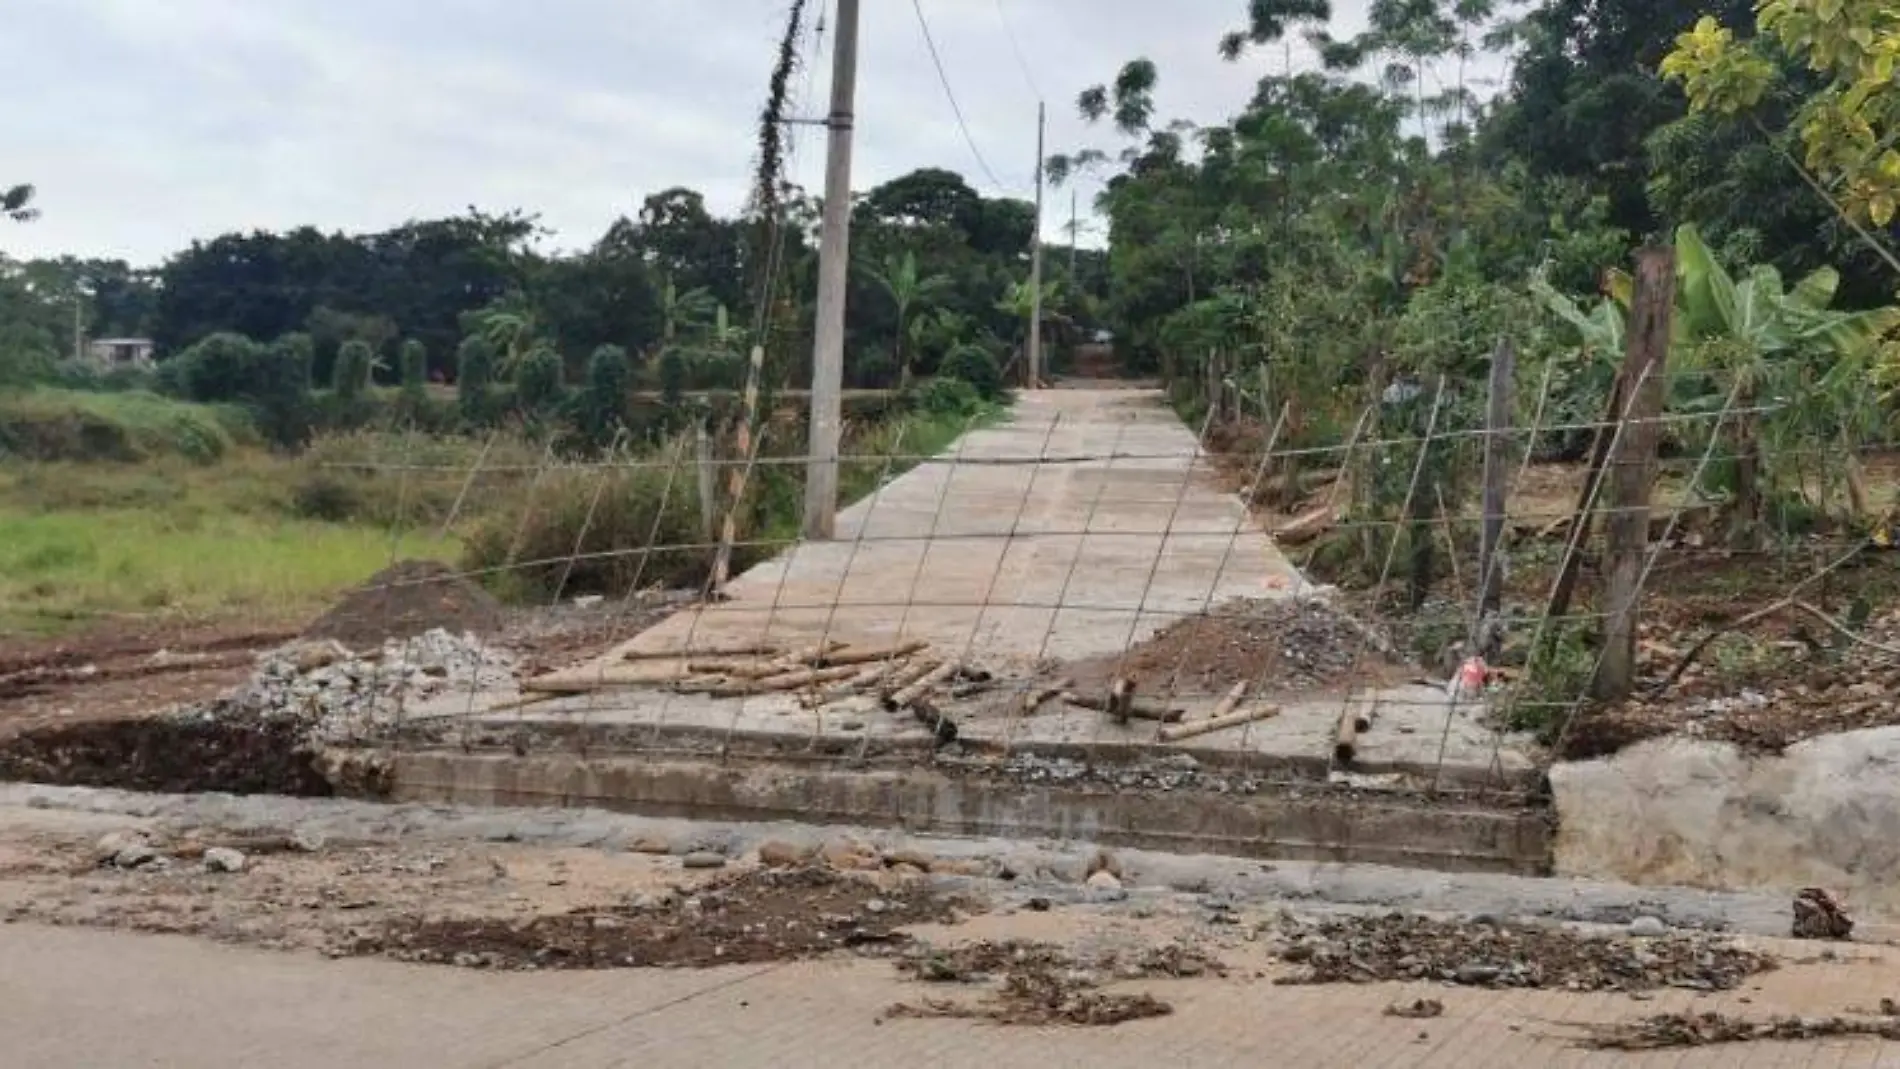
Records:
x=74, y=999
x=1086, y=520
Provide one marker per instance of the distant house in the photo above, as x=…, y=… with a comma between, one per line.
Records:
x=121, y=352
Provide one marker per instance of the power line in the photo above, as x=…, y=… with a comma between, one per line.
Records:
x=1016, y=46
x=936, y=59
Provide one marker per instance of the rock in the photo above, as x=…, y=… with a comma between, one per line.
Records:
x=876, y=905
x=1648, y=928
x=1105, y=887
x=703, y=859
x=1475, y=975
x=1105, y=861
x=224, y=859
x=650, y=844
x=906, y=870
x=107, y=850
x=307, y=840
x=915, y=858
x=1818, y=915
x=849, y=855
x=778, y=854
x=135, y=855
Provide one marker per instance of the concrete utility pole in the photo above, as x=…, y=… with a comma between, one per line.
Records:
x=834, y=276
x=1035, y=262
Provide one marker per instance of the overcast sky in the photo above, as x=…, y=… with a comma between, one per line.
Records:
x=146, y=124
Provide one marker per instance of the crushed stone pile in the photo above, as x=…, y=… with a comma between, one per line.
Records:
x=338, y=696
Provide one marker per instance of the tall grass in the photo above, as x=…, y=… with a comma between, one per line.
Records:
x=64, y=569
x=48, y=424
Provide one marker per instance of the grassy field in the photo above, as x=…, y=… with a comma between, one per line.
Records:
x=249, y=535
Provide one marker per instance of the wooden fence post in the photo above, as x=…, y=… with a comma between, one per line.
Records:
x=1633, y=468
x=1499, y=416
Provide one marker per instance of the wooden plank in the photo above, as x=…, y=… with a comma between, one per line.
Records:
x=1218, y=723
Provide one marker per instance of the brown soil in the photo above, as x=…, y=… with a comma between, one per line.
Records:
x=752, y=917
x=125, y=671
x=405, y=600
x=1280, y=647
x=167, y=754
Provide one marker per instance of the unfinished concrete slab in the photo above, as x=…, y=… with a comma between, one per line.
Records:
x=1080, y=526
x=1082, y=522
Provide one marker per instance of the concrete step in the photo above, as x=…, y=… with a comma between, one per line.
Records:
x=1296, y=821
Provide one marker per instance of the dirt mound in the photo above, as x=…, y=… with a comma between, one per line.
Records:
x=749, y=918
x=406, y=600
x=1280, y=646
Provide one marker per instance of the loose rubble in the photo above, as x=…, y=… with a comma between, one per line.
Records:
x=1677, y=1030
x=1042, y=984
x=1818, y=915
x=339, y=696
x=1401, y=947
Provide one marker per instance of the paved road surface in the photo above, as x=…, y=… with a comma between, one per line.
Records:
x=73, y=999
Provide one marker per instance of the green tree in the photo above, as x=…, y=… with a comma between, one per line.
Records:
x=909, y=293
x=16, y=202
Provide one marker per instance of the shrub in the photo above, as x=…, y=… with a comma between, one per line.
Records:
x=538, y=387
x=415, y=380
x=272, y=382
x=349, y=379
x=602, y=408
x=977, y=366
x=948, y=396
x=474, y=379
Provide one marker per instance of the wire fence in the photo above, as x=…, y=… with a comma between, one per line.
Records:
x=1087, y=585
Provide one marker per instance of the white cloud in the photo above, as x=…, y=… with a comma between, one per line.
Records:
x=147, y=125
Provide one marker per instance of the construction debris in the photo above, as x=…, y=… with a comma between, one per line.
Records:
x=1042, y=984
x=1136, y=710
x=1669, y=1031
x=1416, y=1010
x=1218, y=723
x=1402, y=947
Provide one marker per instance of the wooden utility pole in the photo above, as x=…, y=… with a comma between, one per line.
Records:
x=1035, y=260
x=1497, y=468
x=1075, y=233
x=834, y=276
x=1633, y=467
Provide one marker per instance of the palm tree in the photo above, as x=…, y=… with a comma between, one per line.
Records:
x=900, y=278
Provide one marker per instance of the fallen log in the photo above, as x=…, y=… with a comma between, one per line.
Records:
x=1136, y=710
x=857, y=684
x=1218, y=723
x=1121, y=699
x=909, y=674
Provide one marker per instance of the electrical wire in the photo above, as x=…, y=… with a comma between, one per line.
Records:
x=936, y=59
x=1016, y=46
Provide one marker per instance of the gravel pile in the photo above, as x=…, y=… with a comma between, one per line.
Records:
x=342, y=697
